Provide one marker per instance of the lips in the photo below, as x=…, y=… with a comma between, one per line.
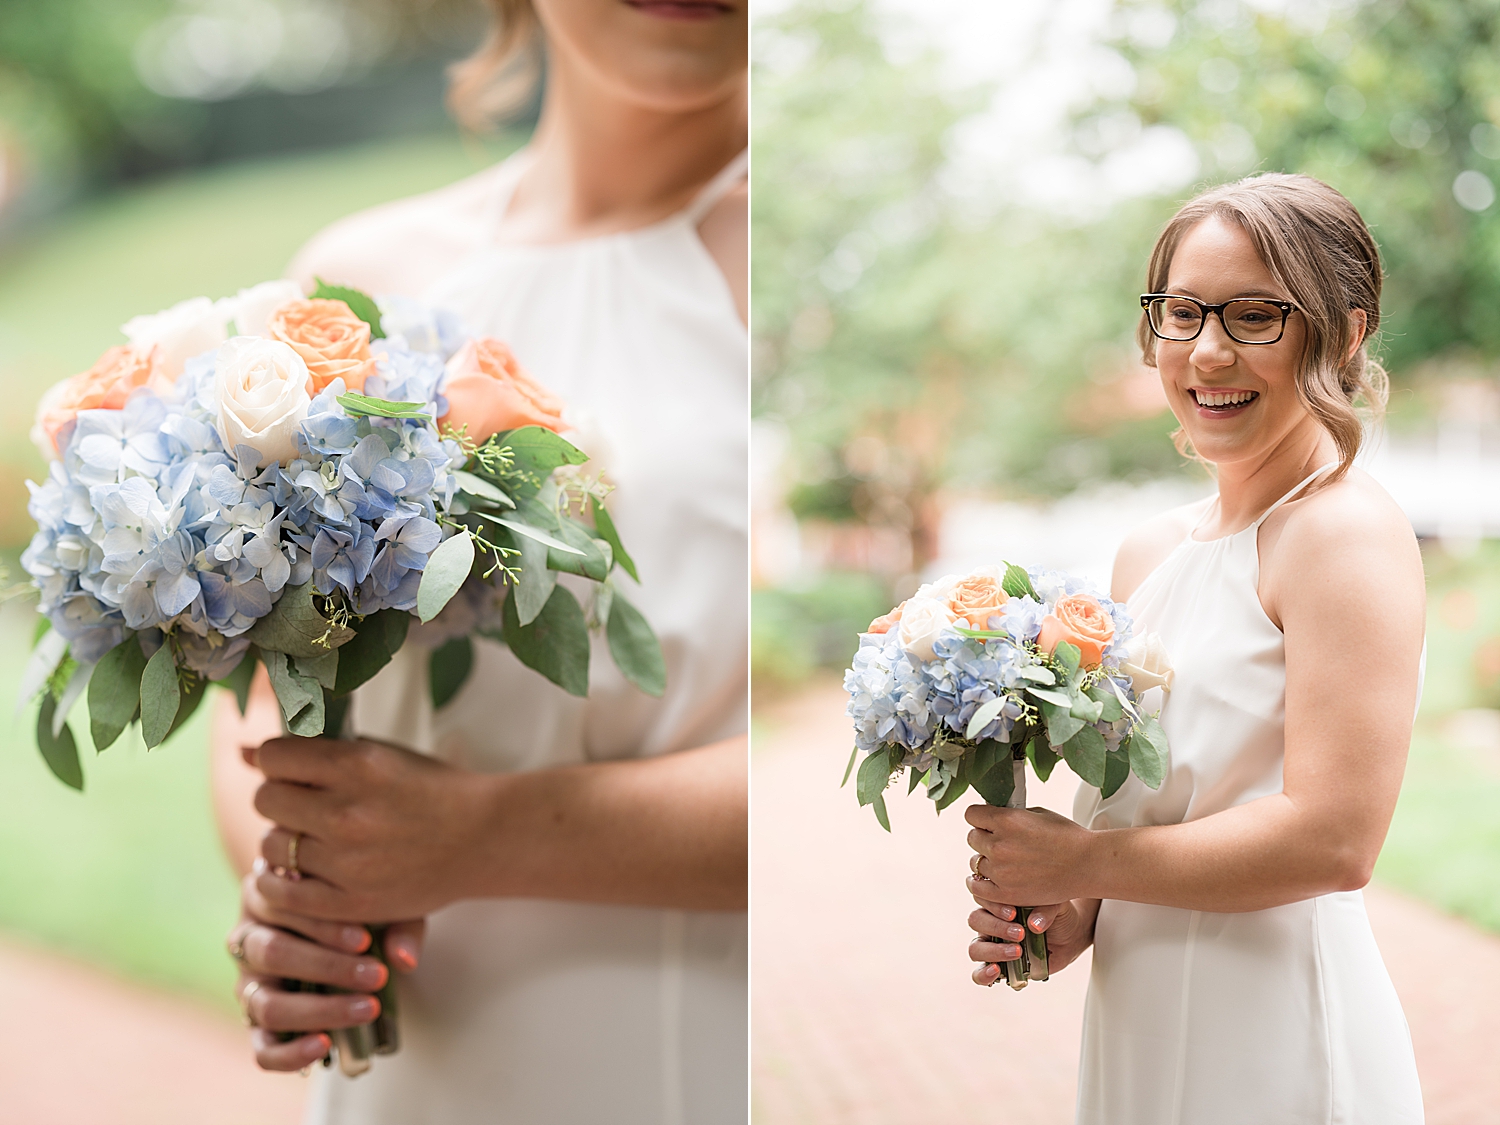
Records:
x=681, y=9
x=1222, y=401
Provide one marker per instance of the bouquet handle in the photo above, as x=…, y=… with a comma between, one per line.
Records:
x=1032, y=964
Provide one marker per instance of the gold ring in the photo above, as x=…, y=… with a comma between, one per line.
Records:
x=248, y=991
x=974, y=863
x=293, y=872
x=237, y=947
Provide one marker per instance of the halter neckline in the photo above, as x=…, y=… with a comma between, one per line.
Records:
x=1260, y=519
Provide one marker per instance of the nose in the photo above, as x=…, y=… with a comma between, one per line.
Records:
x=1213, y=348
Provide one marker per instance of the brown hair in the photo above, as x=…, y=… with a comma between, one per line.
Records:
x=1316, y=245
x=498, y=80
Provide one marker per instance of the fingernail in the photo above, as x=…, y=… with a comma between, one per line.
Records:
x=402, y=954
x=1012, y=952
x=1015, y=933
x=370, y=974
x=356, y=938
x=1007, y=912
x=259, y=866
x=1038, y=924
x=363, y=1009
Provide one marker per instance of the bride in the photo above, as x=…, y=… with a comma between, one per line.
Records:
x=1235, y=977
x=581, y=864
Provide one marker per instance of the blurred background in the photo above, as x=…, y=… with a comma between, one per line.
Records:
x=953, y=206
x=152, y=151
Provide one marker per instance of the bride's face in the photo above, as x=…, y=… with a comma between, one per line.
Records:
x=675, y=56
x=1217, y=262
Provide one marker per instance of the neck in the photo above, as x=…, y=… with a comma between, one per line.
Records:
x=602, y=164
x=1247, y=488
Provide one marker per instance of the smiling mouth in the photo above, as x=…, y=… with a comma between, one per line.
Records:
x=1223, y=402
x=682, y=9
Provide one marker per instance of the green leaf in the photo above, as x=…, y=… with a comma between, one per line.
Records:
x=1038, y=674
x=556, y=644
x=987, y=755
x=197, y=689
x=957, y=787
x=998, y=783
x=874, y=775
x=1085, y=708
x=1043, y=758
x=1055, y=696
x=1068, y=655
x=360, y=303
x=538, y=535
x=850, y=767
x=1084, y=753
x=1062, y=724
x=1110, y=707
x=880, y=812
x=115, y=691
x=160, y=696
x=1017, y=583
x=912, y=783
x=983, y=716
x=447, y=568
x=300, y=697
x=633, y=644
x=537, y=580
x=1148, y=752
x=294, y=626
x=482, y=489
x=376, y=639
x=607, y=531
x=239, y=680
x=357, y=405
x=59, y=752
x=324, y=669
x=593, y=558
x=447, y=669
x=538, y=450
x=1116, y=770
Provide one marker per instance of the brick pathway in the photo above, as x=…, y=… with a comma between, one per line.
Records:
x=863, y=1013
x=81, y=1047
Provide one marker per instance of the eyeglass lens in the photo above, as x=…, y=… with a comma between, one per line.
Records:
x=1249, y=322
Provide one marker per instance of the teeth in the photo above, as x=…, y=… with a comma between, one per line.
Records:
x=1229, y=398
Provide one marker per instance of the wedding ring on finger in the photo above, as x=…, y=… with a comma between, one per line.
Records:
x=236, y=946
x=245, y=994
x=974, y=861
x=293, y=872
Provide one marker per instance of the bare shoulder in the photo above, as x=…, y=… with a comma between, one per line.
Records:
x=725, y=231
x=1147, y=545
x=399, y=247
x=1350, y=537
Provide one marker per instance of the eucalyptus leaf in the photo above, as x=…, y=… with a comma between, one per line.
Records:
x=983, y=716
x=881, y=814
x=1109, y=702
x=160, y=696
x=1043, y=758
x=360, y=303
x=324, y=669
x=556, y=644
x=78, y=683
x=850, y=767
x=606, y=528
x=874, y=775
x=916, y=778
x=447, y=669
x=593, y=557
x=1084, y=753
x=1086, y=709
x=1038, y=674
x=537, y=580
x=300, y=697
x=1148, y=752
x=294, y=626
x=59, y=751
x=1062, y=724
x=447, y=568
x=482, y=489
x=957, y=787
x=997, y=784
x=115, y=692
x=376, y=639
x=1116, y=770
x=987, y=755
x=1068, y=655
x=1017, y=583
x=239, y=680
x=357, y=405
x=197, y=688
x=633, y=644
x=50, y=649
x=539, y=450
x=1056, y=696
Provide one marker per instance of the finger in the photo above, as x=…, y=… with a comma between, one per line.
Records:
x=985, y=889
x=312, y=854
x=403, y=943
x=335, y=935
x=272, y=1054
x=277, y=953
x=1042, y=917
x=986, y=974
x=293, y=806
x=274, y=1009
x=983, y=922
x=308, y=761
x=311, y=898
x=981, y=950
x=987, y=818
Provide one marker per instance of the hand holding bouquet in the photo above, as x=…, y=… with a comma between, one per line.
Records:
x=975, y=675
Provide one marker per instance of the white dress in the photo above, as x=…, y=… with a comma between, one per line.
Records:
x=1283, y=1016
x=532, y=1012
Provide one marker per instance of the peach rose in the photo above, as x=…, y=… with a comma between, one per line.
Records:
x=976, y=598
x=105, y=386
x=332, y=341
x=1080, y=620
x=488, y=391
x=887, y=622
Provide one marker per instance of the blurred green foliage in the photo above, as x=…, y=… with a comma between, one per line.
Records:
x=798, y=630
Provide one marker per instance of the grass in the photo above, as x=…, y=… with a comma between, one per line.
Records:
x=130, y=874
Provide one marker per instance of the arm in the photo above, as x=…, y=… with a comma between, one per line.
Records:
x=1345, y=580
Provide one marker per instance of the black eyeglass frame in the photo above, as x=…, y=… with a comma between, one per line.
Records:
x=1286, y=307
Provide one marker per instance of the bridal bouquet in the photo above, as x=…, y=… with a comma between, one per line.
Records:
x=276, y=480
x=977, y=674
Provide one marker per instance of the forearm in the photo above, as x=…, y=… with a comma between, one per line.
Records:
x=665, y=831
x=1252, y=857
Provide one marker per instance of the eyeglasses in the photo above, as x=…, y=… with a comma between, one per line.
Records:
x=1246, y=321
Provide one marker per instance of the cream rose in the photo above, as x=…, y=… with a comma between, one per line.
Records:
x=251, y=308
x=922, y=622
x=1147, y=664
x=187, y=329
x=260, y=392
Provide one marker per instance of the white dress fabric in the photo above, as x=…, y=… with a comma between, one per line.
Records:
x=1284, y=1015
x=532, y=1012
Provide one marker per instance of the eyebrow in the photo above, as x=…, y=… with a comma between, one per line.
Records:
x=1256, y=294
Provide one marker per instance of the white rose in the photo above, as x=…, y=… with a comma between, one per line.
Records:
x=1146, y=663
x=260, y=396
x=187, y=329
x=922, y=622
x=939, y=589
x=252, y=308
